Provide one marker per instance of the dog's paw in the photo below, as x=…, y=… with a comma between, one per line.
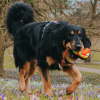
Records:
x=48, y=93
x=21, y=86
x=69, y=91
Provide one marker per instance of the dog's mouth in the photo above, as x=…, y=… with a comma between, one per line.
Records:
x=72, y=55
x=70, y=59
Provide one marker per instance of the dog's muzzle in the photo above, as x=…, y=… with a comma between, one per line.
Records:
x=78, y=47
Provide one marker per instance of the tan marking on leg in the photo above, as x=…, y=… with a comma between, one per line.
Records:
x=31, y=72
x=76, y=76
x=26, y=69
x=21, y=80
x=50, y=60
x=23, y=75
x=46, y=84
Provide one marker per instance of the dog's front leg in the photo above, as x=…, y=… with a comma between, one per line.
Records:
x=76, y=76
x=46, y=80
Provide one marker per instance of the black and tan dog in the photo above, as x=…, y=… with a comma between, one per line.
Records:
x=42, y=46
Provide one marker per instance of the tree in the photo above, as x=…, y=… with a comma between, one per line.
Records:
x=6, y=40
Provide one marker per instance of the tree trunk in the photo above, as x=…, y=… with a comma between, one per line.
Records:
x=93, y=10
x=1, y=54
x=2, y=49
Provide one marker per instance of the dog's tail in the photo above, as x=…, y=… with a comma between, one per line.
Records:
x=18, y=15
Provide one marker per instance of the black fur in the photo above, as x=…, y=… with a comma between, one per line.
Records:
x=28, y=43
x=18, y=14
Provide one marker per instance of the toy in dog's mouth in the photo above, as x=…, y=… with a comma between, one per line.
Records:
x=85, y=53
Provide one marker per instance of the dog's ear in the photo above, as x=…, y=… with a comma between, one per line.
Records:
x=86, y=41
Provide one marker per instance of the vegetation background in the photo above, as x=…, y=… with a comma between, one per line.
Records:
x=78, y=12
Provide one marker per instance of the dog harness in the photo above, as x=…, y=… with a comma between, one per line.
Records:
x=55, y=22
x=63, y=62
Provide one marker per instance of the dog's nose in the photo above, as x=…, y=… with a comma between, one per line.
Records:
x=78, y=46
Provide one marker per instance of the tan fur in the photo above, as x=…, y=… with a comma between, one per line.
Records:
x=21, y=80
x=50, y=60
x=79, y=32
x=31, y=72
x=22, y=75
x=25, y=74
x=46, y=84
x=68, y=57
x=76, y=76
x=64, y=43
x=72, y=32
x=71, y=45
x=68, y=45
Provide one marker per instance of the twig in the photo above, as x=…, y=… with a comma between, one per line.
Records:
x=51, y=9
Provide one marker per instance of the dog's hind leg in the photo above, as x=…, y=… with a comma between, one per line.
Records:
x=46, y=81
x=23, y=73
x=76, y=76
x=21, y=80
x=29, y=74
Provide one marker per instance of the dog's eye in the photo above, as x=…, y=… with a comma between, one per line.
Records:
x=69, y=35
x=80, y=36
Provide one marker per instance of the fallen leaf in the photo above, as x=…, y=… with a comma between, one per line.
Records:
x=30, y=94
x=70, y=98
x=39, y=93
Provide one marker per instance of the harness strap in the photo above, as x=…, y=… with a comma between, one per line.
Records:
x=47, y=25
x=63, y=61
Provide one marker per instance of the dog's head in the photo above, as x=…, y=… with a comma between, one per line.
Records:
x=72, y=37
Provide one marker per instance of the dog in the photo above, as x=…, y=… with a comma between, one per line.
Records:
x=43, y=45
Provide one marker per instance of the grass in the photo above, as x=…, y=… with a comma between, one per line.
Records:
x=8, y=59
x=89, y=88
x=95, y=56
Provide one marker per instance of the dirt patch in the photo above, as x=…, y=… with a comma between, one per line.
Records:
x=89, y=70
